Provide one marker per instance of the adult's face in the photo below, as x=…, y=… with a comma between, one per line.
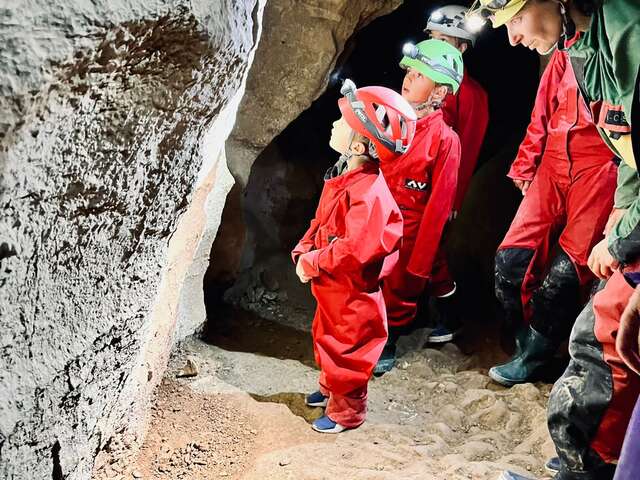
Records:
x=537, y=26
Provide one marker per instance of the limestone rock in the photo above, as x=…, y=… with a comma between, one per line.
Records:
x=113, y=117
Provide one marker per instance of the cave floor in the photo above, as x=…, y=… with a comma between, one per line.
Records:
x=436, y=416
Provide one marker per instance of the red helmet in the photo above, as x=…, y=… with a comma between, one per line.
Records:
x=390, y=128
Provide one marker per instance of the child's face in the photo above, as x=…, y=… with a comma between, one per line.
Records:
x=416, y=88
x=341, y=135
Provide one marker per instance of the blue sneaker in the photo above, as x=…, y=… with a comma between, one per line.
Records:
x=553, y=465
x=514, y=476
x=325, y=425
x=441, y=334
x=316, y=399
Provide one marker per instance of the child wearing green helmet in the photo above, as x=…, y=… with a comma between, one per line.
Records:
x=423, y=182
x=467, y=112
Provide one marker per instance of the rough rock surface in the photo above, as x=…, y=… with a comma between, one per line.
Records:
x=298, y=51
x=430, y=418
x=113, y=117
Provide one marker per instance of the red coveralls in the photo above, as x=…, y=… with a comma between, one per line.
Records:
x=467, y=112
x=571, y=194
x=423, y=183
x=356, y=231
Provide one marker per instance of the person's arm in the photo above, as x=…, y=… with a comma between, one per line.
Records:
x=624, y=238
x=372, y=231
x=532, y=147
x=307, y=241
x=436, y=213
x=628, y=337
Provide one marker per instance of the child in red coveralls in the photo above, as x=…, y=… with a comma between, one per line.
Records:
x=423, y=181
x=352, y=241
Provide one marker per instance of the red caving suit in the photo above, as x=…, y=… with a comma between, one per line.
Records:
x=573, y=179
x=423, y=182
x=356, y=231
x=467, y=112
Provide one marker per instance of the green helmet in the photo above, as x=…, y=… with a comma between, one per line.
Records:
x=436, y=59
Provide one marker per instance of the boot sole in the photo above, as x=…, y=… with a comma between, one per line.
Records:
x=441, y=338
x=505, y=382
x=316, y=404
x=337, y=429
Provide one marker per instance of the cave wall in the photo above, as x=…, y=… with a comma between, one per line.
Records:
x=113, y=176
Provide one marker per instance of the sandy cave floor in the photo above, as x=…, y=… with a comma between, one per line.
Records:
x=437, y=416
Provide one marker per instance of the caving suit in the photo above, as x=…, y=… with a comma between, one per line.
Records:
x=352, y=241
x=591, y=404
x=423, y=182
x=573, y=180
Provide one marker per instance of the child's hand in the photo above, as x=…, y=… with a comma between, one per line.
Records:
x=300, y=272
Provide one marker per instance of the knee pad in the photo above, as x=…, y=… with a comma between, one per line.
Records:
x=511, y=267
x=556, y=303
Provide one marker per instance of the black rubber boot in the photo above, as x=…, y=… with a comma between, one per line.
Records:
x=536, y=352
x=387, y=359
x=449, y=322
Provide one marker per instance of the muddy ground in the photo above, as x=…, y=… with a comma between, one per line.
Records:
x=437, y=416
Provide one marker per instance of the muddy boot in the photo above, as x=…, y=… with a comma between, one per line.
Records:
x=449, y=324
x=387, y=359
x=553, y=465
x=535, y=353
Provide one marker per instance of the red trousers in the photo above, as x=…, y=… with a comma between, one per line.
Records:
x=402, y=290
x=349, y=410
x=572, y=210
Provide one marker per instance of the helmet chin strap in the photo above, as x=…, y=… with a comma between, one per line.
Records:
x=568, y=27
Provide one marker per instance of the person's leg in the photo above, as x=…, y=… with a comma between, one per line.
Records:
x=348, y=410
x=556, y=304
x=590, y=405
x=523, y=255
x=554, y=307
x=349, y=343
x=401, y=291
x=520, y=262
x=442, y=289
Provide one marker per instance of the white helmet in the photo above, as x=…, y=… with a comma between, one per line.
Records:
x=450, y=20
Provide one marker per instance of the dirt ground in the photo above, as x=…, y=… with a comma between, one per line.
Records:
x=437, y=416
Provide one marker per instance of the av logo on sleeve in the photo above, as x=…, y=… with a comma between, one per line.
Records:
x=416, y=185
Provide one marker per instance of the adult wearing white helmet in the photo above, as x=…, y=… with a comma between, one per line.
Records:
x=450, y=21
x=467, y=112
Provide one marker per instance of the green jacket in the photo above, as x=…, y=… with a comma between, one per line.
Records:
x=606, y=59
